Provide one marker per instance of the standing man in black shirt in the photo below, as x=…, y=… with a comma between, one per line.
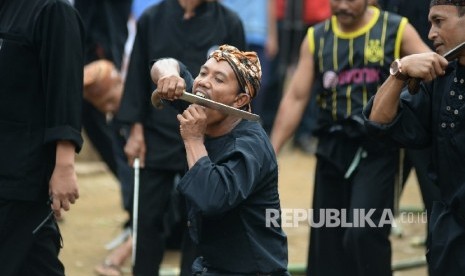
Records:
x=186, y=30
x=418, y=159
x=41, y=61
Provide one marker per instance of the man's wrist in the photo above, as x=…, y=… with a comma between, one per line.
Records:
x=396, y=70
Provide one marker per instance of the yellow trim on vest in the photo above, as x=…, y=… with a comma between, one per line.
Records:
x=383, y=35
x=367, y=39
x=351, y=52
x=320, y=54
x=358, y=32
x=400, y=34
x=335, y=55
x=349, y=101
x=311, y=39
x=336, y=67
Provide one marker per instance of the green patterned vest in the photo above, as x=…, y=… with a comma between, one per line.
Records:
x=349, y=67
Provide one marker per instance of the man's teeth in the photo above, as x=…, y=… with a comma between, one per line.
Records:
x=200, y=94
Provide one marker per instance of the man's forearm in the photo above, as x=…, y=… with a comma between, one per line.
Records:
x=65, y=153
x=195, y=149
x=289, y=115
x=164, y=67
x=386, y=101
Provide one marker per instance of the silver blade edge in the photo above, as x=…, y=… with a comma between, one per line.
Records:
x=225, y=109
x=452, y=54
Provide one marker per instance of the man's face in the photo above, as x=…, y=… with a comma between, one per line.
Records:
x=447, y=29
x=349, y=12
x=216, y=81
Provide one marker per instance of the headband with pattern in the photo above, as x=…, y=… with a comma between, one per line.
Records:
x=246, y=67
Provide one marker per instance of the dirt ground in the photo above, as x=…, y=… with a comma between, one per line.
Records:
x=97, y=217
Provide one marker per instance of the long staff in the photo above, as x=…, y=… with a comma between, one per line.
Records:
x=135, y=209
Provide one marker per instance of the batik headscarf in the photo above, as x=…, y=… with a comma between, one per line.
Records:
x=447, y=2
x=246, y=67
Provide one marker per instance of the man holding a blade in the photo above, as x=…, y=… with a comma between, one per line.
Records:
x=231, y=187
x=186, y=30
x=434, y=116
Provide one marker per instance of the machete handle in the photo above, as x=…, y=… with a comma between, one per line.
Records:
x=156, y=100
x=413, y=85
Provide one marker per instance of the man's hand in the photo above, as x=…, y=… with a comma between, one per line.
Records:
x=135, y=146
x=193, y=123
x=424, y=66
x=63, y=187
x=165, y=74
x=170, y=87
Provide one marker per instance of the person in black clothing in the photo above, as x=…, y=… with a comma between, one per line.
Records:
x=41, y=61
x=414, y=158
x=105, y=22
x=344, y=59
x=187, y=31
x=232, y=179
x=432, y=117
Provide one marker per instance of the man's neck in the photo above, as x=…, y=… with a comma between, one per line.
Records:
x=223, y=127
x=364, y=20
x=189, y=7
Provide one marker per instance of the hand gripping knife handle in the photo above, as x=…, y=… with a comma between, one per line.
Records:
x=413, y=84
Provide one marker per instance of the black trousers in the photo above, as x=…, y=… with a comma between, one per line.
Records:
x=22, y=252
x=155, y=196
x=420, y=161
x=358, y=250
x=446, y=240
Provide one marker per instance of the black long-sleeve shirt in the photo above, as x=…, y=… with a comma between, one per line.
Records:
x=105, y=22
x=41, y=61
x=162, y=32
x=230, y=195
x=434, y=116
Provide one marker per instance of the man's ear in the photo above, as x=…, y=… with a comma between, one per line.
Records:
x=242, y=100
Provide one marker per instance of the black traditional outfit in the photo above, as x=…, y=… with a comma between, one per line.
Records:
x=162, y=32
x=41, y=61
x=353, y=172
x=230, y=191
x=435, y=117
